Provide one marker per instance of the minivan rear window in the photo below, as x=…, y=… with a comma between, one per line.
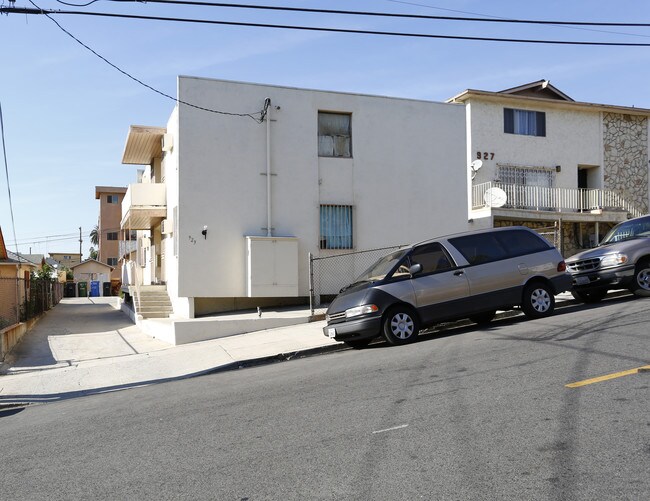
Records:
x=479, y=248
x=487, y=247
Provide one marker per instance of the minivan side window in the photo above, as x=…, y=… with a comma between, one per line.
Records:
x=432, y=257
x=480, y=248
x=521, y=242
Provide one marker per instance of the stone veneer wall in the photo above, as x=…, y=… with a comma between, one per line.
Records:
x=625, y=143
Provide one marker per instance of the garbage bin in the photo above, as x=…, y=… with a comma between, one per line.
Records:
x=82, y=288
x=70, y=290
x=106, y=291
x=94, y=288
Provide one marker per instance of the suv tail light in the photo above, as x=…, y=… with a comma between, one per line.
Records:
x=561, y=266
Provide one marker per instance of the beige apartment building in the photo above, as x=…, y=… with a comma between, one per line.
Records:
x=66, y=259
x=110, y=214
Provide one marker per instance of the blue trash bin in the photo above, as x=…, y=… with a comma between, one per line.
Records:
x=94, y=288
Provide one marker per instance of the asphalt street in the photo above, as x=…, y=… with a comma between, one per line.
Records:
x=468, y=413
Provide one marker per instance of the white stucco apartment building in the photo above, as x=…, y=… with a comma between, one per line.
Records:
x=328, y=172
x=546, y=159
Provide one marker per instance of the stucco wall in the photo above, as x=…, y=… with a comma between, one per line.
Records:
x=625, y=144
x=406, y=179
x=572, y=138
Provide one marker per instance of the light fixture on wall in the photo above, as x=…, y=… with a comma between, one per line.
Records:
x=205, y=232
x=558, y=168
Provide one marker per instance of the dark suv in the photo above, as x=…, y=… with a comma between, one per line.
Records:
x=622, y=260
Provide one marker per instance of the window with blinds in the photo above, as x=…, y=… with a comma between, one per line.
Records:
x=524, y=122
x=336, y=227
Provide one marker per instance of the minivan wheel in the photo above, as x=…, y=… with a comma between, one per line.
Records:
x=641, y=283
x=592, y=296
x=401, y=326
x=538, y=300
x=483, y=318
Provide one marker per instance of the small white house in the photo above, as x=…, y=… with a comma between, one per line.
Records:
x=539, y=158
x=246, y=180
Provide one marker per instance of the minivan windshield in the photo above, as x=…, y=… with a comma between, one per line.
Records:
x=635, y=228
x=381, y=268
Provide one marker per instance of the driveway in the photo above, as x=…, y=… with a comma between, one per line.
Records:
x=79, y=329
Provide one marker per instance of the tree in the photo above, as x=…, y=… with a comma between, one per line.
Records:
x=94, y=235
x=92, y=253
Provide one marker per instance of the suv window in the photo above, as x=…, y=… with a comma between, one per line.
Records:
x=480, y=248
x=432, y=257
x=521, y=242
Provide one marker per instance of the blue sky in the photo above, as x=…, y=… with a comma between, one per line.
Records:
x=66, y=113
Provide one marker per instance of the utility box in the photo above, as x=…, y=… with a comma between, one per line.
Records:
x=271, y=266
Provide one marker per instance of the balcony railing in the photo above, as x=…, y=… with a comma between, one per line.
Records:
x=126, y=247
x=543, y=198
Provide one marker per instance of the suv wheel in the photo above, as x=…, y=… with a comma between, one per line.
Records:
x=401, y=326
x=593, y=296
x=641, y=283
x=538, y=300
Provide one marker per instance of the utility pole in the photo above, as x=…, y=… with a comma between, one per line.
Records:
x=80, y=242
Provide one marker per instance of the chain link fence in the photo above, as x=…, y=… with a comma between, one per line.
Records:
x=329, y=274
x=23, y=299
x=550, y=233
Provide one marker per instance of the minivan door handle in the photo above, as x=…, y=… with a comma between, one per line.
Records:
x=459, y=273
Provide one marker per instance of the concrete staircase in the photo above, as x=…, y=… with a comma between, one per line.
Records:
x=153, y=302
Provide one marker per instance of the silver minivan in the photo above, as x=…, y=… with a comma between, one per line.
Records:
x=467, y=275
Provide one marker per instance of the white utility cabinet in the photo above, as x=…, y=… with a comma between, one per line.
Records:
x=271, y=266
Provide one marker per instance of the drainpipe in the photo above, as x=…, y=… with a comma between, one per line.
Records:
x=267, y=110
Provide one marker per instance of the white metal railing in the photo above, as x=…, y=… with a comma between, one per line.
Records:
x=126, y=247
x=544, y=198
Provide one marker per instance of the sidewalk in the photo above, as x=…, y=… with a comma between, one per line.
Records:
x=87, y=346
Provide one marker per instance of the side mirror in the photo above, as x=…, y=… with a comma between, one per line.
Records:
x=415, y=269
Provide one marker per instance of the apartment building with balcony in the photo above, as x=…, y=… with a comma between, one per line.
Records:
x=110, y=234
x=537, y=157
x=246, y=180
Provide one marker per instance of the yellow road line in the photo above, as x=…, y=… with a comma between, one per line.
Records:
x=608, y=377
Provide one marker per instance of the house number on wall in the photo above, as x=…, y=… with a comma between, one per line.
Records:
x=484, y=155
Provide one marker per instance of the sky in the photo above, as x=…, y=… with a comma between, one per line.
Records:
x=66, y=112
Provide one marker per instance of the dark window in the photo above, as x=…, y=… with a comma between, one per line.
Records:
x=521, y=242
x=524, y=122
x=111, y=261
x=479, y=248
x=336, y=227
x=432, y=257
x=334, y=135
x=112, y=199
x=111, y=235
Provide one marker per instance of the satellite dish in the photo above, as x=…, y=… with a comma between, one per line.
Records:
x=475, y=166
x=495, y=197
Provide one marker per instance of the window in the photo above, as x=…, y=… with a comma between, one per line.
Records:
x=521, y=242
x=112, y=199
x=334, y=135
x=111, y=261
x=526, y=176
x=111, y=235
x=480, y=248
x=336, y=227
x=432, y=257
x=132, y=235
x=524, y=122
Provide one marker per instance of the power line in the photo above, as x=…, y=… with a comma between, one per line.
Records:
x=491, y=19
x=125, y=73
x=4, y=153
x=49, y=13
x=505, y=18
